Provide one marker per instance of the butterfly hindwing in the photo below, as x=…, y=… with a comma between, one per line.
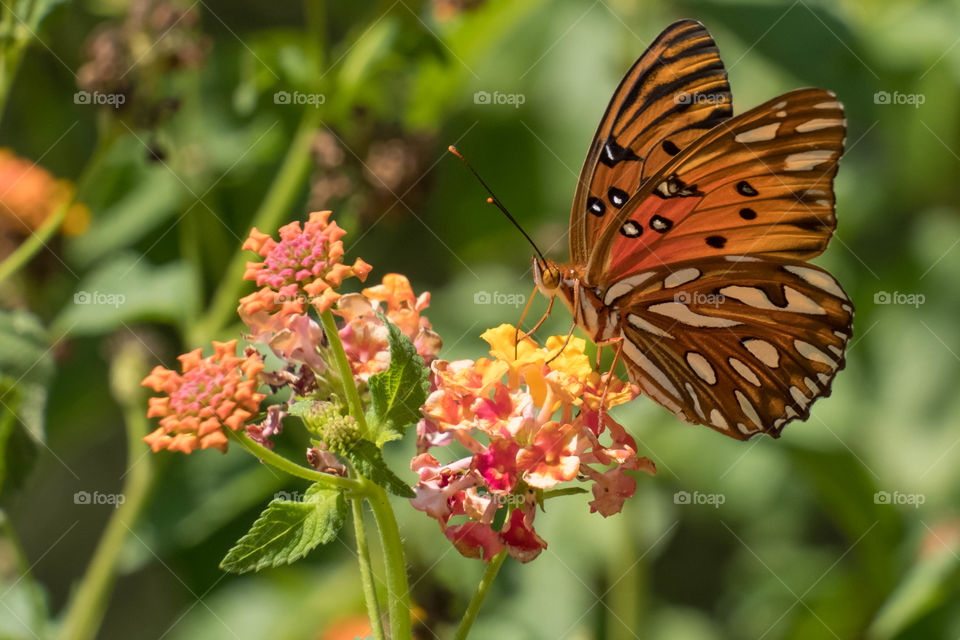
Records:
x=760, y=183
x=739, y=343
x=674, y=93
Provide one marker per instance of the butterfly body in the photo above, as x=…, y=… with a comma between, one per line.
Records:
x=689, y=236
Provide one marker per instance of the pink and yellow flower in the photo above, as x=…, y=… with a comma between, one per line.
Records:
x=530, y=419
x=365, y=336
x=211, y=393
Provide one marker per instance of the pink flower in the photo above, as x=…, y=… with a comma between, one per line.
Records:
x=365, y=336
x=212, y=393
x=528, y=421
x=304, y=266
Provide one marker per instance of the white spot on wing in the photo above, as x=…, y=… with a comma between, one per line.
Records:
x=716, y=419
x=682, y=313
x=760, y=134
x=655, y=373
x=695, y=399
x=701, y=366
x=680, y=277
x=748, y=409
x=625, y=286
x=649, y=327
x=810, y=352
x=802, y=401
x=819, y=279
x=820, y=123
x=763, y=351
x=807, y=160
x=814, y=389
x=745, y=372
x=828, y=105
x=757, y=298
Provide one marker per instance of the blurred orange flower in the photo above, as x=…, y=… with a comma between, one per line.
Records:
x=29, y=194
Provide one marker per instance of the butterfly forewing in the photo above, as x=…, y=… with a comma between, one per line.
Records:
x=760, y=183
x=741, y=344
x=675, y=92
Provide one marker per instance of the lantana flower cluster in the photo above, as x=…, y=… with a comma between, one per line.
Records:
x=298, y=275
x=530, y=419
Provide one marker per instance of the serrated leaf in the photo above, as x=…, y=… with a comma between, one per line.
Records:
x=398, y=393
x=367, y=460
x=287, y=530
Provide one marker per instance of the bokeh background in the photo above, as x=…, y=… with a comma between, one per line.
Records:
x=846, y=527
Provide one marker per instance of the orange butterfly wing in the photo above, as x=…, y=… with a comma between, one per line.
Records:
x=760, y=183
x=674, y=93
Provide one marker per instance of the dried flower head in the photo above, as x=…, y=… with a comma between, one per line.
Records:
x=531, y=419
x=211, y=393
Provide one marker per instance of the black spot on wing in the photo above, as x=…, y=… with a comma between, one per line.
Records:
x=595, y=206
x=717, y=242
x=617, y=197
x=612, y=154
x=745, y=189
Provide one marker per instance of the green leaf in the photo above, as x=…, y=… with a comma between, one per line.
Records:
x=367, y=460
x=17, y=449
x=287, y=530
x=27, y=361
x=398, y=393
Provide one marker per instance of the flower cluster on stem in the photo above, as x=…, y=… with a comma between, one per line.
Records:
x=528, y=419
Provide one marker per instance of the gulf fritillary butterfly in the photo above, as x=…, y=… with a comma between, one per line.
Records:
x=689, y=236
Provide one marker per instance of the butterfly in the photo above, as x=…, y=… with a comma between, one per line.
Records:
x=690, y=233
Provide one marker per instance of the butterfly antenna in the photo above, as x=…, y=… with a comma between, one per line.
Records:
x=496, y=201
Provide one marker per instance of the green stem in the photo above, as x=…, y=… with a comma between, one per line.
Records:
x=279, y=462
x=398, y=591
x=89, y=603
x=37, y=240
x=493, y=568
x=366, y=570
x=343, y=368
x=280, y=197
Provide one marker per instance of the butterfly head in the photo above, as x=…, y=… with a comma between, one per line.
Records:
x=547, y=276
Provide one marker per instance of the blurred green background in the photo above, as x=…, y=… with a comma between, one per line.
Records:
x=805, y=543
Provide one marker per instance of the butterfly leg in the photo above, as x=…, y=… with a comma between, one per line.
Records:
x=519, y=338
x=617, y=352
x=576, y=305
